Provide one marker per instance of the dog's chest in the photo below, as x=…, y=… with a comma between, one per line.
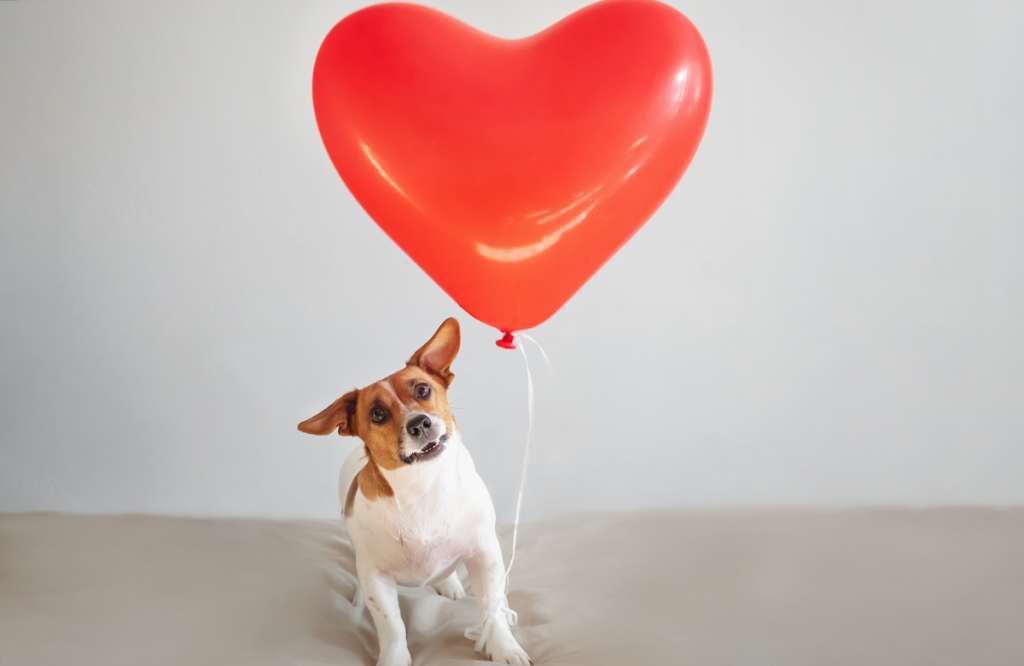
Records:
x=433, y=520
x=420, y=552
x=416, y=538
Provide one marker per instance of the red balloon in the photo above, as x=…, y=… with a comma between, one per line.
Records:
x=511, y=170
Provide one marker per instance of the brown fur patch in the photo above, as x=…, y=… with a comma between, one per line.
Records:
x=372, y=482
x=350, y=498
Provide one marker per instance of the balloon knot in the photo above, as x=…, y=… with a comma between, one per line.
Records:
x=507, y=342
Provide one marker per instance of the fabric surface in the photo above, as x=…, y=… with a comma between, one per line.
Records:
x=871, y=587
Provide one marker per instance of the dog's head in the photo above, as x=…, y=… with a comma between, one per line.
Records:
x=403, y=419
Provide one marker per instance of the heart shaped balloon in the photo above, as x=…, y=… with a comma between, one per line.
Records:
x=511, y=170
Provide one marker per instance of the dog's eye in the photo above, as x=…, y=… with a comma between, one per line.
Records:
x=423, y=391
x=378, y=415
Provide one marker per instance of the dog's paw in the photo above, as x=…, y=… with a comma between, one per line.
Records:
x=508, y=652
x=396, y=657
x=451, y=587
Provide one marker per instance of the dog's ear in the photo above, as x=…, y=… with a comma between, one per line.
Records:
x=341, y=415
x=437, y=355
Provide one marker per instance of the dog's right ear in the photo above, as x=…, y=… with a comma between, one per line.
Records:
x=341, y=415
x=437, y=355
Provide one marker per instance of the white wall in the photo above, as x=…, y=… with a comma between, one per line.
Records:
x=828, y=310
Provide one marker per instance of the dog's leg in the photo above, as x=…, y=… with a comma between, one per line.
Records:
x=451, y=587
x=381, y=596
x=487, y=576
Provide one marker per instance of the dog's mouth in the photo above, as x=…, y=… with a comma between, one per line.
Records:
x=431, y=450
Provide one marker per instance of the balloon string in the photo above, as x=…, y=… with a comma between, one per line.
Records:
x=526, y=450
x=498, y=605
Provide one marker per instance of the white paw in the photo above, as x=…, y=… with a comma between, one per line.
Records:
x=450, y=587
x=507, y=651
x=396, y=657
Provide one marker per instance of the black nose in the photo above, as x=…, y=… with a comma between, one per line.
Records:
x=418, y=425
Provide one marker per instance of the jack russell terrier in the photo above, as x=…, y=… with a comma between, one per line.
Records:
x=414, y=505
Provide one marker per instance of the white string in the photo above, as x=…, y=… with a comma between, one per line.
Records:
x=526, y=451
x=547, y=361
x=526, y=456
x=480, y=632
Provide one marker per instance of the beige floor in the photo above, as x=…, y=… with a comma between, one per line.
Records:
x=862, y=587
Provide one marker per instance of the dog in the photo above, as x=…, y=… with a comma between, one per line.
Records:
x=414, y=505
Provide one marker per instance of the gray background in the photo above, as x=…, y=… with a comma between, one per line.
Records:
x=827, y=311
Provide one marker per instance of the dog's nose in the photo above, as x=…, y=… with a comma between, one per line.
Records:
x=418, y=425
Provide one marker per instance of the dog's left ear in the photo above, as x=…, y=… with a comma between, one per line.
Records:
x=341, y=415
x=437, y=355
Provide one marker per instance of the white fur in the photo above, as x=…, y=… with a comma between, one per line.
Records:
x=441, y=514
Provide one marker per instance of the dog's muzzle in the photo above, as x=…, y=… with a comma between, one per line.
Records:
x=426, y=435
